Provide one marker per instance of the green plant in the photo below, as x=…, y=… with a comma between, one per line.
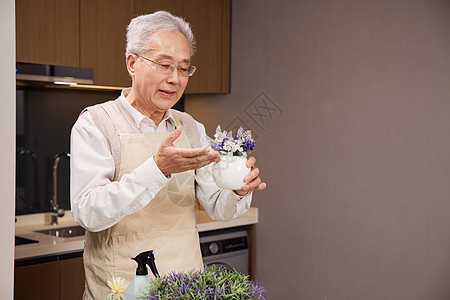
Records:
x=212, y=283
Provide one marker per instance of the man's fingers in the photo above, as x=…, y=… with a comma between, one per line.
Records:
x=171, y=138
x=255, y=184
x=250, y=162
x=254, y=172
x=190, y=153
x=171, y=159
x=262, y=186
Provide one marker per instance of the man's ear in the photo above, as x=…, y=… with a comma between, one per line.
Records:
x=131, y=62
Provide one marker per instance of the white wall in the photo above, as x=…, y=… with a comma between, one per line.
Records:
x=7, y=146
x=358, y=163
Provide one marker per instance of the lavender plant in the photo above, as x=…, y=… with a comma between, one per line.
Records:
x=225, y=143
x=212, y=283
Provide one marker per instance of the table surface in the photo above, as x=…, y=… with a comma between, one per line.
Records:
x=27, y=225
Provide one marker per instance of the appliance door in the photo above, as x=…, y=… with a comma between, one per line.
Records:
x=226, y=248
x=234, y=260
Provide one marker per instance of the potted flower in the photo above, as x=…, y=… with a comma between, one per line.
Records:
x=229, y=172
x=212, y=283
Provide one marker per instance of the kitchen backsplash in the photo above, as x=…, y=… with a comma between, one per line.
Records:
x=45, y=117
x=44, y=120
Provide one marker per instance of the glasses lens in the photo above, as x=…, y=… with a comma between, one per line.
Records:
x=165, y=67
x=191, y=70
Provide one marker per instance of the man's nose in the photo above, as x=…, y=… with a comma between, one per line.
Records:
x=174, y=77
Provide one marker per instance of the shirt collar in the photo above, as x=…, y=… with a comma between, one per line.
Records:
x=138, y=117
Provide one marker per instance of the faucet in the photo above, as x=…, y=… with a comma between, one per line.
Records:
x=54, y=207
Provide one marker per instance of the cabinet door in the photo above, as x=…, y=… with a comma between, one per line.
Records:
x=72, y=278
x=103, y=39
x=142, y=7
x=210, y=21
x=40, y=281
x=47, y=31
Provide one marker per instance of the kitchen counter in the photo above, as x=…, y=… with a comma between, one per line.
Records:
x=27, y=225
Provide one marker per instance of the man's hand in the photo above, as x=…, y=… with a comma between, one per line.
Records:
x=171, y=160
x=252, y=179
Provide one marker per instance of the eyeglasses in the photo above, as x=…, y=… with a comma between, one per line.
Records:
x=167, y=67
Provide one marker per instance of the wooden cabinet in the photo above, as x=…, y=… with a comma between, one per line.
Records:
x=40, y=281
x=103, y=26
x=92, y=34
x=58, y=277
x=210, y=22
x=47, y=32
x=71, y=278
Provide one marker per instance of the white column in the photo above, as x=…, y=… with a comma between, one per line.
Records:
x=7, y=146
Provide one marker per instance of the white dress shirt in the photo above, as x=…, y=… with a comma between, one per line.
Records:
x=98, y=202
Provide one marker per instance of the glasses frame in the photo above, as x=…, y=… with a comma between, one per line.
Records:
x=173, y=66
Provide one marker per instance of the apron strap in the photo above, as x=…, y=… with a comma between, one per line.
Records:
x=115, y=118
x=177, y=122
x=189, y=126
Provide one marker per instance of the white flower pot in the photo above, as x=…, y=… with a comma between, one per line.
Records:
x=230, y=171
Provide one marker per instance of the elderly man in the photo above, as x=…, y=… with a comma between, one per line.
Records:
x=137, y=165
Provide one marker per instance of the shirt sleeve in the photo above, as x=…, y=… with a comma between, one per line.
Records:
x=98, y=202
x=221, y=205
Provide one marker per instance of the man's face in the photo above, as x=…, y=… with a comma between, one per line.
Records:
x=155, y=91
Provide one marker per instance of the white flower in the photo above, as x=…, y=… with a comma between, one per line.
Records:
x=232, y=146
x=219, y=136
x=118, y=285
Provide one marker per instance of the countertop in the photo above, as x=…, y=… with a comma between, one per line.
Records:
x=26, y=226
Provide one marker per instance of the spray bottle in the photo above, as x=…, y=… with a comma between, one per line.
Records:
x=141, y=281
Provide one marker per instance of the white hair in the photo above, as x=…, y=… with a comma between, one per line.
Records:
x=142, y=27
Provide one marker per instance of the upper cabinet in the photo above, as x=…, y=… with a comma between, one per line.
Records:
x=210, y=21
x=103, y=26
x=48, y=32
x=92, y=34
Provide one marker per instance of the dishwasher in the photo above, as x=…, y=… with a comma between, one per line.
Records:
x=226, y=248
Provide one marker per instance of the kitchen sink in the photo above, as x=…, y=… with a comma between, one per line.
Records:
x=64, y=232
x=24, y=241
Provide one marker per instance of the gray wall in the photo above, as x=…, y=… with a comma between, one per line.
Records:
x=353, y=140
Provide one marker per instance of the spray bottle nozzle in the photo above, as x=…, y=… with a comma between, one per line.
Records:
x=143, y=259
x=151, y=263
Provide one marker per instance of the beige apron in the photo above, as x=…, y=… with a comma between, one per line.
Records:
x=166, y=225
